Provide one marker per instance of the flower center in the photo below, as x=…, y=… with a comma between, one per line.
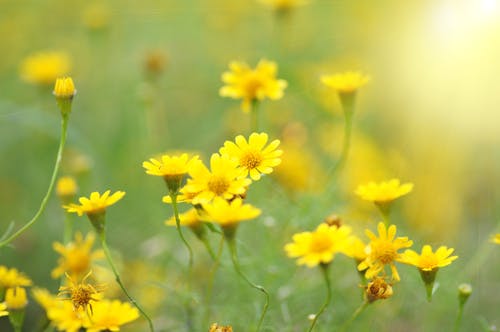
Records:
x=428, y=262
x=320, y=243
x=82, y=295
x=385, y=252
x=251, y=159
x=218, y=184
x=252, y=84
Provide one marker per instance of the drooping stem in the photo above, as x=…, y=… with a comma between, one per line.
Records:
x=107, y=253
x=234, y=257
x=173, y=196
x=324, y=270
x=62, y=142
x=354, y=316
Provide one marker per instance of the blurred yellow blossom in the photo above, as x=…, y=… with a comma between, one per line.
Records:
x=357, y=249
x=284, y=5
x=111, y=315
x=252, y=85
x=345, y=83
x=15, y=298
x=319, y=246
x=66, y=187
x=383, y=192
x=95, y=204
x=383, y=250
x=253, y=156
x=496, y=238
x=188, y=218
x=227, y=213
x=45, y=67
x=428, y=260
x=3, y=309
x=96, y=16
x=11, y=278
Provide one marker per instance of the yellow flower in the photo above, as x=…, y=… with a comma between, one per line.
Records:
x=378, y=289
x=64, y=88
x=66, y=187
x=223, y=180
x=384, y=192
x=170, y=166
x=428, y=261
x=345, y=83
x=231, y=213
x=45, y=67
x=76, y=257
x=11, y=278
x=190, y=218
x=96, y=16
x=284, y=5
x=356, y=249
x=495, y=238
x=219, y=328
x=80, y=294
x=15, y=298
x=111, y=315
x=252, y=85
x=95, y=204
x=319, y=246
x=383, y=250
x=3, y=309
x=252, y=156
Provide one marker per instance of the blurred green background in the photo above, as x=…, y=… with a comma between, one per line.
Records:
x=428, y=116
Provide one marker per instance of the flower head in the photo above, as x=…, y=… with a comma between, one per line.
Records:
x=111, y=315
x=224, y=179
x=45, y=67
x=11, y=278
x=189, y=218
x=356, y=249
x=66, y=187
x=15, y=298
x=319, y=246
x=252, y=85
x=383, y=192
x=378, y=289
x=284, y=5
x=219, y=328
x=230, y=213
x=80, y=294
x=495, y=238
x=427, y=260
x=383, y=250
x=345, y=83
x=76, y=257
x=254, y=157
x=95, y=204
x=64, y=88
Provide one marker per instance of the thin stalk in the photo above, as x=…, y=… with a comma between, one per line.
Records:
x=237, y=268
x=68, y=228
x=345, y=146
x=324, y=270
x=62, y=142
x=254, y=113
x=104, y=245
x=458, y=320
x=178, y=226
x=354, y=316
x=209, y=248
x=211, y=276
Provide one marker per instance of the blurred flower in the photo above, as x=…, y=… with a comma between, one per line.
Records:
x=75, y=162
x=64, y=88
x=383, y=250
x=428, y=261
x=224, y=180
x=319, y=246
x=189, y=218
x=227, y=213
x=15, y=298
x=76, y=257
x=356, y=249
x=155, y=62
x=495, y=238
x=3, y=309
x=45, y=67
x=80, y=294
x=219, y=328
x=252, y=156
x=66, y=188
x=464, y=292
x=111, y=315
x=378, y=289
x=95, y=204
x=252, y=85
x=11, y=278
x=383, y=192
x=345, y=83
x=333, y=220
x=284, y=5
x=96, y=16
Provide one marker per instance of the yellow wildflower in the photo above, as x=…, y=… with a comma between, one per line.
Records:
x=3, y=309
x=284, y=5
x=227, y=213
x=383, y=250
x=76, y=257
x=253, y=156
x=320, y=246
x=252, y=85
x=170, y=166
x=95, y=204
x=428, y=261
x=64, y=88
x=223, y=180
x=345, y=83
x=190, y=218
x=219, y=328
x=356, y=249
x=96, y=16
x=378, y=289
x=495, y=238
x=11, y=278
x=15, y=298
x=66, y=187
x=80, y=294
x=45, y=67
x=384, y=192
x=111, y=315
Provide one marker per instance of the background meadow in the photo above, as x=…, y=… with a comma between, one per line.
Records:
x=429, y=116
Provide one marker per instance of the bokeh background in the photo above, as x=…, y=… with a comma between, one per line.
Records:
x=148, y=75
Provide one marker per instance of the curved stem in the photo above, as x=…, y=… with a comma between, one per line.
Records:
x=178, y=226
x=354, y=316
x=62, y=142
x=324, y=269
x=107, y=253
x=234, y=258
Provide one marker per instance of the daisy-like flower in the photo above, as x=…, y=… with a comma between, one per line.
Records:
x=76, y=257
x=229, y=214
x=224, y=179
x=80, y=294
x=15, y=298
x=64, y=88
x=95, y=204
x=495, y=238
x=254, y=157
x=378, y=289
x=319, y=246
x=111, y=315
x=45, y=67
x=11, y=278
x=345, y=83
x=382, y=251
x=383, y=192
x=252, y=85
x=191, y=219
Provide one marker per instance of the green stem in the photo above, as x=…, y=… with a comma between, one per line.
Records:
x=104, y=245
x=68, y=228
x=458, y=320
x=345, y=146
x=62, y=142
x=254, y=113
x=178, y=226
x=234, y=257
x=211, y=278
x=354, y=316
x=324, y=269
x=209, y=248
